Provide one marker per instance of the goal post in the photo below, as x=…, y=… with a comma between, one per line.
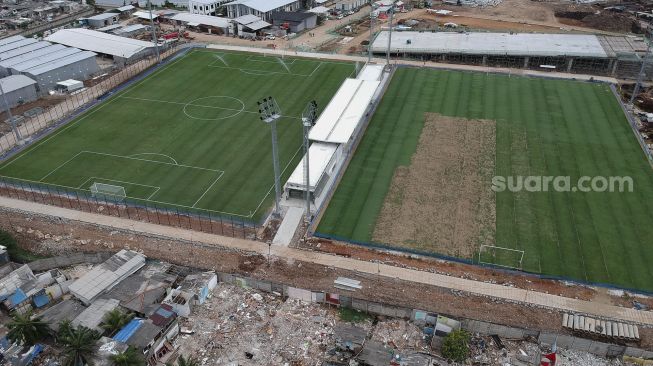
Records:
x=108, y=192
x=501, y=256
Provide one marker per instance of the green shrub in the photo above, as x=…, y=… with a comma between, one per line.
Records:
x=16, y=253
x=455, y=346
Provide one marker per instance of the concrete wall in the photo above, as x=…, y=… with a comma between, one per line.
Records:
x=47, y=264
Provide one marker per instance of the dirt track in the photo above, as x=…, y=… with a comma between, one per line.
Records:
x=442, y=202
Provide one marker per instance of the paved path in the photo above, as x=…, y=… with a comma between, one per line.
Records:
x=433, y=65
x=433, y=279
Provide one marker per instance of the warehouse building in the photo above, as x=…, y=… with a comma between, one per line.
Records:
x=249, y=25
x=18, y=89
x=80, y=65
x=17, y=44
x=102, y=20
x=23, y=50
x=7, y=64
x=295, y=22
x=616, y=56
x=203, y=23
x=204, y=7
x=123, y=50
x=261, y=8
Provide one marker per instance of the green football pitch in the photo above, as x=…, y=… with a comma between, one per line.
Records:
x=189, y=135
x=571, y=128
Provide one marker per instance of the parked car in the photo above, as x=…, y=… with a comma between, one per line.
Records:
x=339, y=17
x=270, y=37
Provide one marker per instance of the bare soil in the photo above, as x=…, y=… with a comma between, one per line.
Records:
x=442, y=202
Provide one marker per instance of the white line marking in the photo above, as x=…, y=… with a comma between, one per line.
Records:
x=152, y=161
x=207, y=190
x=156, y=154
x=57, y=168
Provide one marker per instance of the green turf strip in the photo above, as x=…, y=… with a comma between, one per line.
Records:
x=544, y=127
x=191, y=130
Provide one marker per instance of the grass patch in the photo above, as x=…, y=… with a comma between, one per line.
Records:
x=353, y=315
x=16, y=253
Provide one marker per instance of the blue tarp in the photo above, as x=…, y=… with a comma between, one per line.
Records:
x=164, y=313
x=41, y=299
x=17, y=298
x=128, y=330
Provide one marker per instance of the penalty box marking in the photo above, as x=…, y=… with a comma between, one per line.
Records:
x=264, y=72
x=219, y=172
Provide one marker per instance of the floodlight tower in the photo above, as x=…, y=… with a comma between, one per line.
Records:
x=369, y=45
x=12, y=121
x=270, y=113
x=392, y=12
x=154, y=37
x=308, y=119
x=642, y=72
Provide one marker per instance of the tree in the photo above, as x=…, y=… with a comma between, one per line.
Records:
x=455, y=346
x=131, y=357
x=114, y=321
x=27, y=330
x=79, y=345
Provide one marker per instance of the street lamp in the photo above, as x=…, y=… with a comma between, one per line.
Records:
x=642, y=72
x=270, y=113
x=308, y=119
x=11, y=119
x=154, y=37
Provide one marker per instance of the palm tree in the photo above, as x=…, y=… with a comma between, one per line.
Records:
x=25, y=329
x=114, y=321
x=131, y=357
x=79, y=345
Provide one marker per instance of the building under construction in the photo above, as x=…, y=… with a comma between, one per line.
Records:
x=615, y=56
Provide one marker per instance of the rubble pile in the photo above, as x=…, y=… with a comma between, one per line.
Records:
x=239, y=326
x=400, y=335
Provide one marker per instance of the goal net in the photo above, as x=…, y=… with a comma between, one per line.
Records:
x=108, y=192
x=500, y=256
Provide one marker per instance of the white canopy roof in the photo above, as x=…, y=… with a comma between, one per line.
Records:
x=319, y=155
x=144, y=15
x=99, y=42
x=262, y=5
x=202, y=19
x=344, y=112
x=319, y=10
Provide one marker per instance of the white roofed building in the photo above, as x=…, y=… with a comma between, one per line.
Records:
x=261, y=8
x=334, y=133
x=205, y=23
x=204, y=7
x=122, y=49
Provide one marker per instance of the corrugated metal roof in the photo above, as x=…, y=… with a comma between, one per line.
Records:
x=518, y=44
x=262, y=5
x=15, y=82
x=15, y=279
x=38, y=61
x=28, y=56
x=17, y=44
x=163, y=315
x=131, y=28
x=126, y=8
x=128, y=330
x=99, y=42
x=103, y=16
x=23, y=50
x=320, y=154
x=62, y=62
x=344, y=112
x=202, y=19
x=109, y=28
x=93, y=316
x=144, y=15
x=11, y=39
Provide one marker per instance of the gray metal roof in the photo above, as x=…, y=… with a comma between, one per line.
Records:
x=11, y=39
x=100, y=42
x=45, y=59
x=130, y=28
x=17, y=44
x=15, y=82
x=109, y=28
x=93, y=315
x=62, y=62
x=144, y=335
x=22, y=50
x=28, y=56
x=499, y=44
x=65, y=310
x=103, y=16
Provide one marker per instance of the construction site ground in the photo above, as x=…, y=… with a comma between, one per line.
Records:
x=53, y=235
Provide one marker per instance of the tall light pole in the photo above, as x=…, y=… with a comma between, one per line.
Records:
x=154, y=37
x=392, y=12
x=270, y=113
x=308, y=118
x=369, y=46
x=642, y=72
x=11, y=120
